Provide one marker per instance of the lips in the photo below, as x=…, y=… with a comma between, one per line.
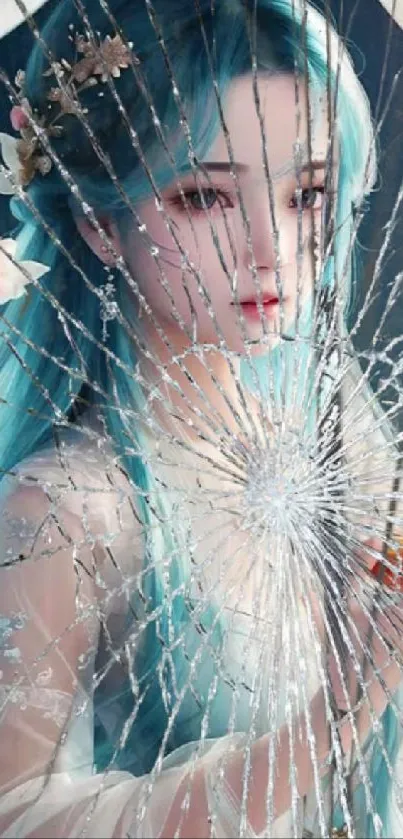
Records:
x=253, y=301
x=252, y=311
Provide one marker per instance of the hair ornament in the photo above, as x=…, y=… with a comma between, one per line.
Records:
x=16, y=274
x=24, y=157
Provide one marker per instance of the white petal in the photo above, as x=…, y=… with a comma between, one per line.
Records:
x=11, y=294
x=12, y=283
x=11, y=16
x=396, y=8
x=5, y=186
x=12, y=279
x=35, y=269
x=10, y=246
x=6, y=266
x=9, y=153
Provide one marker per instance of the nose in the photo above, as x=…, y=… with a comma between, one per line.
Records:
x=268, y=238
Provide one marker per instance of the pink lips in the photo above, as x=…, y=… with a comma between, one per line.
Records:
x=251, y=311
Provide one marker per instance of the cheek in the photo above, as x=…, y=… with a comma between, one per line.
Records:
x=152, y=271
x=315, y=231
x=311, y=247
x=304, y=268
x=197, y=244
x=171, y=301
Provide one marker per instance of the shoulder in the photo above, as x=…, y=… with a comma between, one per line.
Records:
x=76, y=484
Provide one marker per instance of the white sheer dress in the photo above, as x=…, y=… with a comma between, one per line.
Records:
x=65, y=513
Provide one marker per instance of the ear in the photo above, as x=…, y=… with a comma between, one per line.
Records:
x=94, y=240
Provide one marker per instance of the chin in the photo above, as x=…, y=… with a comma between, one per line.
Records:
x=257, y=344
x=260, y=345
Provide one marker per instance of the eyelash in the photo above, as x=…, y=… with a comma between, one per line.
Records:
x=187, y=193
x=178, y=201
x=319, y=189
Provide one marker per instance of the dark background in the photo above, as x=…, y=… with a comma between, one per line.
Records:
x=376, y=45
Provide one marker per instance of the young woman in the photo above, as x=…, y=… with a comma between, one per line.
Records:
x=194, y=641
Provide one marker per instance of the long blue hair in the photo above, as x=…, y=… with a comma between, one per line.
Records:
x=59, y=354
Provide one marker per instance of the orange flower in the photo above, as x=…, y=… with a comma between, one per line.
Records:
x=115, y=56
x=109, y=58
x=65, y=99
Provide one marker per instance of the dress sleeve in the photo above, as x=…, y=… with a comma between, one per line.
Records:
x=51, y=608
x=53, y=600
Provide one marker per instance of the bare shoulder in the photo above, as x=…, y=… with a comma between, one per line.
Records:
x=73, y=496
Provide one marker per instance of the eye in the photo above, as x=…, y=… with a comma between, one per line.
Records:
x=311, y=198
x=194, y=198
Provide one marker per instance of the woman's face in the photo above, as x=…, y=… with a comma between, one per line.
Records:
x=295, y=263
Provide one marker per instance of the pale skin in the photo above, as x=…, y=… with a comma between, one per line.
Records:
x=277, y=98
x=278, y=107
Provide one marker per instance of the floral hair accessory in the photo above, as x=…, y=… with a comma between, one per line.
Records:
x=12, y=279
x=94, y=64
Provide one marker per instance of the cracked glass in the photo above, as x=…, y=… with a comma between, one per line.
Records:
x=201, y=536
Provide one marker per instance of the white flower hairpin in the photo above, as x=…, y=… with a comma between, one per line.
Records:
x=12, y=278
x=9, y=154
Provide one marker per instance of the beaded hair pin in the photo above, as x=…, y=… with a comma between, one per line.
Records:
x=95, y=63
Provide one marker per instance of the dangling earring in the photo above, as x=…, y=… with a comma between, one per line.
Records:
x=109, y=306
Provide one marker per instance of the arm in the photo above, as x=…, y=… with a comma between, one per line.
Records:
x=42, y=583
x=49, y=608
x=44, y=634
x=39, y=597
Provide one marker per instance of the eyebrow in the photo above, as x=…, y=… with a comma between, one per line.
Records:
x=313, y=165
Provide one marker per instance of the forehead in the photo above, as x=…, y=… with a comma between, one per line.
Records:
x=284, y=122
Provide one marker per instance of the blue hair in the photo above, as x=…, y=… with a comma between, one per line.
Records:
x=39, y=387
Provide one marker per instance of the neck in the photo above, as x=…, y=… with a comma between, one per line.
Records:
x=203, y=395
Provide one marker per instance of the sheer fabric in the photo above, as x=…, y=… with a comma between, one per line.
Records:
x=51, y=613
x=65, y=512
